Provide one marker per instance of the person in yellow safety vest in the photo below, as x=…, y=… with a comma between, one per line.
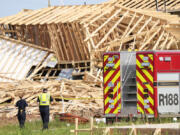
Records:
x=44, y=100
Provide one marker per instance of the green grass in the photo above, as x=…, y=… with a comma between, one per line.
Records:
x=57, y=127
x=35, y=128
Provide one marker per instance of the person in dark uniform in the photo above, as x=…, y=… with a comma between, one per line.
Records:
x=44, y=100
x=21, y=104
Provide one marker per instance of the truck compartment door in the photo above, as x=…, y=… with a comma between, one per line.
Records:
x=168, y=93
x=144, y=82
x=111, y=75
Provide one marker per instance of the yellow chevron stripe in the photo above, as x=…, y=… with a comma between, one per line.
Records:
x=140, y=109
x=144, y=70
x=111, y=72
x=148, y=75
x=150, y=111
x=117, y=99
x=151, y=100
x=114, y=91
x=107, y=88
x=142, y=102
x=140, y=88
x=151, y=57
x=117, y=76
x=106, y=100
x=140, y=99
x=142, y=56
x=151, y=66
x=107, y=110
x=143, y=80
x=106, y=57
x=108, y=75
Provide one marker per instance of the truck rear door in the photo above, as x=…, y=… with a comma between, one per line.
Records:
x=111, y=76
x=145, y=80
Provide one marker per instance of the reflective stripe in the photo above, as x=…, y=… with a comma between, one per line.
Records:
x=145, y=80
x=111, y=75
x=44, y=99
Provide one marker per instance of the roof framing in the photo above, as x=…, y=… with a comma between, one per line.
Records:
x=74, y=32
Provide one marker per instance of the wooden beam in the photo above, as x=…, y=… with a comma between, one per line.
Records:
x=159, y=39
x=107, y=34
x=151, y=37
x=100, y=27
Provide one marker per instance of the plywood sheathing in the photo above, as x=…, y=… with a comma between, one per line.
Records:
x=149, y=4
x=17, y=58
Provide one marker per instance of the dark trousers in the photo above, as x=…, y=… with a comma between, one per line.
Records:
x=44, y=112
x=21, y=118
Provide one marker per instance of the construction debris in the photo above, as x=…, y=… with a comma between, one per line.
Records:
x=76, y=97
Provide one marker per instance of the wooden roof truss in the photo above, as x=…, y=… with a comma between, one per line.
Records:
x=124, y=29
x=162, y=5
x=74, y=32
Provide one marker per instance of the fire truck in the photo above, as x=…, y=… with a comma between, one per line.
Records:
x=141, y=83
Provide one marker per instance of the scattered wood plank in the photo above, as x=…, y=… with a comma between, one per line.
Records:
x=79, y=97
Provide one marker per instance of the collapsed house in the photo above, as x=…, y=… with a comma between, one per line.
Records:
x=96, y=26
x=37, y=45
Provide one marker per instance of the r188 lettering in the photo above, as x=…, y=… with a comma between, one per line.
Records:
x=168, y=99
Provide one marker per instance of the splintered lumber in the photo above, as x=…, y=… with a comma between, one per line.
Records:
x=77, y=97
x=88, y=77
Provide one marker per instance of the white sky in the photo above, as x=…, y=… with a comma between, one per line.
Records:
x=11, y=7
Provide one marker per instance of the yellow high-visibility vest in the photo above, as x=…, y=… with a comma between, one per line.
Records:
x=44, y=99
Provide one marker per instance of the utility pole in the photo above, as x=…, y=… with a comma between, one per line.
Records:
x=156, y=4
x=164, y=5
x=49, y=3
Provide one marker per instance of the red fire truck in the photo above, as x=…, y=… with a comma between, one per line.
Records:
x=142, y=82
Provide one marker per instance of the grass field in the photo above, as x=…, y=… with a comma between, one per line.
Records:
x=58, y=128
x=55, y=128
x=35, y=128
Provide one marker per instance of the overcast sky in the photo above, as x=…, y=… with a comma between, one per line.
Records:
x=11, y=7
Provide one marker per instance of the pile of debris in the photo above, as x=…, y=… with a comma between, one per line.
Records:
x=79, y=97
